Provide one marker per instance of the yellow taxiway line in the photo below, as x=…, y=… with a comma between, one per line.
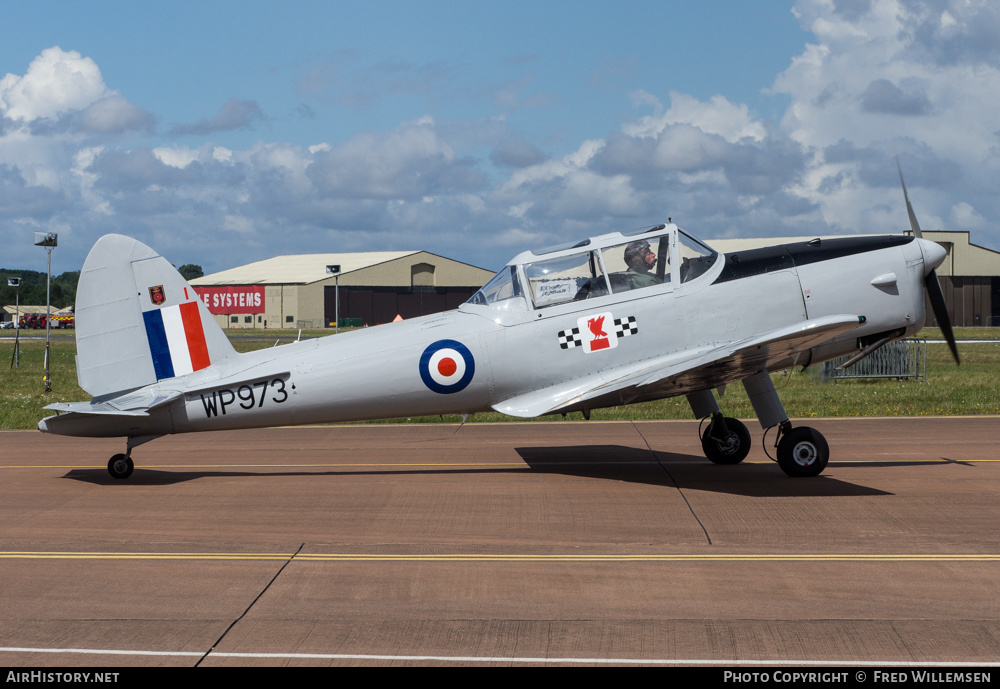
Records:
x=516, y=557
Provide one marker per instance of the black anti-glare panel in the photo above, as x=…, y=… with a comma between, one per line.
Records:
x=743, y=264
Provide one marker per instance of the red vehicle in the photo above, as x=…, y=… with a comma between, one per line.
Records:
x=36, y=321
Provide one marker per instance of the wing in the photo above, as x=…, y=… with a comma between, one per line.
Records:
x=681, y=372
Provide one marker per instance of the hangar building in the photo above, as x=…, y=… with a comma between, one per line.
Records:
x=969, y=276
x=300, y=291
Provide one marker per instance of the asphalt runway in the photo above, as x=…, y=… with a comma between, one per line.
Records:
x=503, y=544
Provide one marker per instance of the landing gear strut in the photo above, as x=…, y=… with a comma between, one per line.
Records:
x=802, y=451
x=120, y=466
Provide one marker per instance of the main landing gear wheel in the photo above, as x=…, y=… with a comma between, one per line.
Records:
x=120, y=466
x=803, y=452
x=726, y=447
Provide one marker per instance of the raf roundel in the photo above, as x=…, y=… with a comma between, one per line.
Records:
x=447, y=366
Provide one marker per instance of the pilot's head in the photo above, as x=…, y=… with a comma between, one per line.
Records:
x=639, y=257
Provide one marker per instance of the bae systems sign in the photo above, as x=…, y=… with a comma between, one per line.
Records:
x=232, y=299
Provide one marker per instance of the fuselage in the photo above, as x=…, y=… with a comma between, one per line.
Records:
x=489, y=350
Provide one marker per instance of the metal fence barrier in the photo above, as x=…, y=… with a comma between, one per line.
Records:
x=902, y=359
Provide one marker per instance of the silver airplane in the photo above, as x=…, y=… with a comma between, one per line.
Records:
x=616, y=319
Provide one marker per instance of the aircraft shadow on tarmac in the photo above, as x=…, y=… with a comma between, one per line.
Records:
x=905, y=463
x=157, y=477
x=694, y=472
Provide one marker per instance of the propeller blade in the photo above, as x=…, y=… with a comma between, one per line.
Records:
x=941, y=311
x=931, y=283
x=914, y=225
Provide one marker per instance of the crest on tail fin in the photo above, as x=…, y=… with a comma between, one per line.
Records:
x=138, y=321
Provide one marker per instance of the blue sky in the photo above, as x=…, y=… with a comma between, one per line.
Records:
x=226, y=132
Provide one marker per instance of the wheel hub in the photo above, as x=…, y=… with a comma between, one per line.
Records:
x=730, y=443
x=804, y=453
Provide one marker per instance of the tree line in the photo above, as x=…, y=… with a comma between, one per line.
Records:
x=63, y=286
x=33, y=288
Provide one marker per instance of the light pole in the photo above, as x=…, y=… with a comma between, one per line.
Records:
x=49, y=240
x=15, y=359
x=335, y=271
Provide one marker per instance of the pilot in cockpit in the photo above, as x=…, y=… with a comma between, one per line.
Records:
x=640, y=260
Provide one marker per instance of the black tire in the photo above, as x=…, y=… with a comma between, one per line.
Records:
x=803, y=452
x=120, y=466
x=727, y=451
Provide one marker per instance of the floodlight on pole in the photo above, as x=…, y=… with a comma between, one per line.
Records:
x=15, y=359
x=334, y=270
x=49, y=240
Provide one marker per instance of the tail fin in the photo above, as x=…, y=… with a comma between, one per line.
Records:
x=138, y=321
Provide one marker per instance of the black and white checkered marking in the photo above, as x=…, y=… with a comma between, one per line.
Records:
x=570, y=338
x=623, y=328
x=626, y=326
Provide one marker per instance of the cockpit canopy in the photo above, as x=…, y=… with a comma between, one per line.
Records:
x=610, y=264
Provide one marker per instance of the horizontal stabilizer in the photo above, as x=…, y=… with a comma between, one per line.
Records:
x=95, y=408
x=134, y=404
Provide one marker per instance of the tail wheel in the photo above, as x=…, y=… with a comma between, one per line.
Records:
x=120, y=466
x=729, y=447
x=803, y=452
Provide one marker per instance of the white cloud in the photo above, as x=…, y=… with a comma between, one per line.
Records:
x=222, y=154
x=964, y=217
x=238, y=223
x=54, y=122
x=586, y=194
x=516, y=238
x=176, y=156
x=922, y=78
x=881, y=75
x=878, y=60
x=686, y=147
x=554, y=169
x=410, y=161
x=730, y=121
x=114, y=115
x=518, y=210
x=57, y=81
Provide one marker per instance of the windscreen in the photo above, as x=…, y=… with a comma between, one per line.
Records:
x=504, y=287
x=696, y=258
